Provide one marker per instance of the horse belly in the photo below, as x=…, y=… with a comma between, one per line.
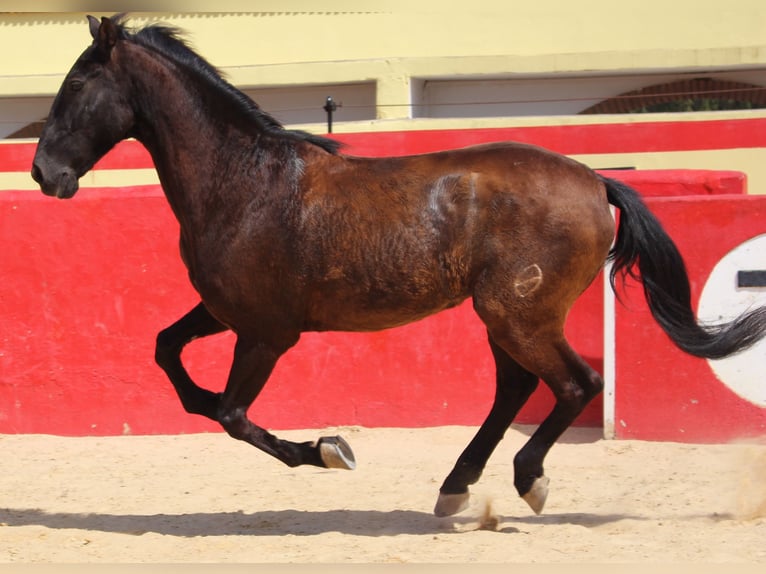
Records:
x=387, y=298
x=361, y=316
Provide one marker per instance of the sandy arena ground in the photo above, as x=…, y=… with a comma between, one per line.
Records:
x=209, y=498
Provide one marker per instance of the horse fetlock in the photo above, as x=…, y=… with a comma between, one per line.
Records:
x=336, y=453
x=234, y=422
x=466, y=472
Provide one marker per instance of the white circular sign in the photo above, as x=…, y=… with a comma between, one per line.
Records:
x=734, y=286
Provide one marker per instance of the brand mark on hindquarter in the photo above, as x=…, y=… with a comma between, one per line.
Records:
x=528, y=281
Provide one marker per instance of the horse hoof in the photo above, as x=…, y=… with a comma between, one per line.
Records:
x=449, y=504
x=536, y=496
x=336, y=453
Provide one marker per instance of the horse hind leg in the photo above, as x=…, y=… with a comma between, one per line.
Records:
x=573, y=383
x=513, y=386
x=529, y=327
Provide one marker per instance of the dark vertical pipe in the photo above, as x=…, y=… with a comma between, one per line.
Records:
x=330, y=106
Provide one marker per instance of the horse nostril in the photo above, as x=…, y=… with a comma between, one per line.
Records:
x=37, y=173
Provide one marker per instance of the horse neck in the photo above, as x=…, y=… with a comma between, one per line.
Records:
x=186, y=142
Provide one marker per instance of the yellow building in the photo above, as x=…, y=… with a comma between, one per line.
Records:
x=395, y=65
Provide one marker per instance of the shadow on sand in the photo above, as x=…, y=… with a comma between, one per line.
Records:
x=283, y=522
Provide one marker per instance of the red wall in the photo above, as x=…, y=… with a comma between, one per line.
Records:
x=89, y=282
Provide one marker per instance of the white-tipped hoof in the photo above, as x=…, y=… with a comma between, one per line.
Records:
x=449, y=504
x=336, y=453
x=537, y=494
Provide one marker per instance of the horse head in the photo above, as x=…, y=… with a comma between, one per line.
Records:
x=90, y=114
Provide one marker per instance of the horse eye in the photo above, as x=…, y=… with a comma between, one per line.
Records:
x=76, y=85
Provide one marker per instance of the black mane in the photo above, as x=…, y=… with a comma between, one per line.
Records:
x=168, y=41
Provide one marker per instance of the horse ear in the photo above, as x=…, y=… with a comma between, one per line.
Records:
x=94, y=25
x=105, y=35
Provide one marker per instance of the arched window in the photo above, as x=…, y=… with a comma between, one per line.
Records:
x=698, y=94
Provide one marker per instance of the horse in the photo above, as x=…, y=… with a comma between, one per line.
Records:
x=282, y=233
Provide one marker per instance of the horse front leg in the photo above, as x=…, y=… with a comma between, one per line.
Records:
x=252, y=365
x=170, y=342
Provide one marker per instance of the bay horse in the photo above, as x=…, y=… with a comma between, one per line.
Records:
x=282, y=233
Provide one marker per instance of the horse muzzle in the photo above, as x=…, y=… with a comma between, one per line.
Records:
x=62, y=182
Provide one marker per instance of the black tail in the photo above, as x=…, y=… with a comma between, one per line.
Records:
x=641, y=240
